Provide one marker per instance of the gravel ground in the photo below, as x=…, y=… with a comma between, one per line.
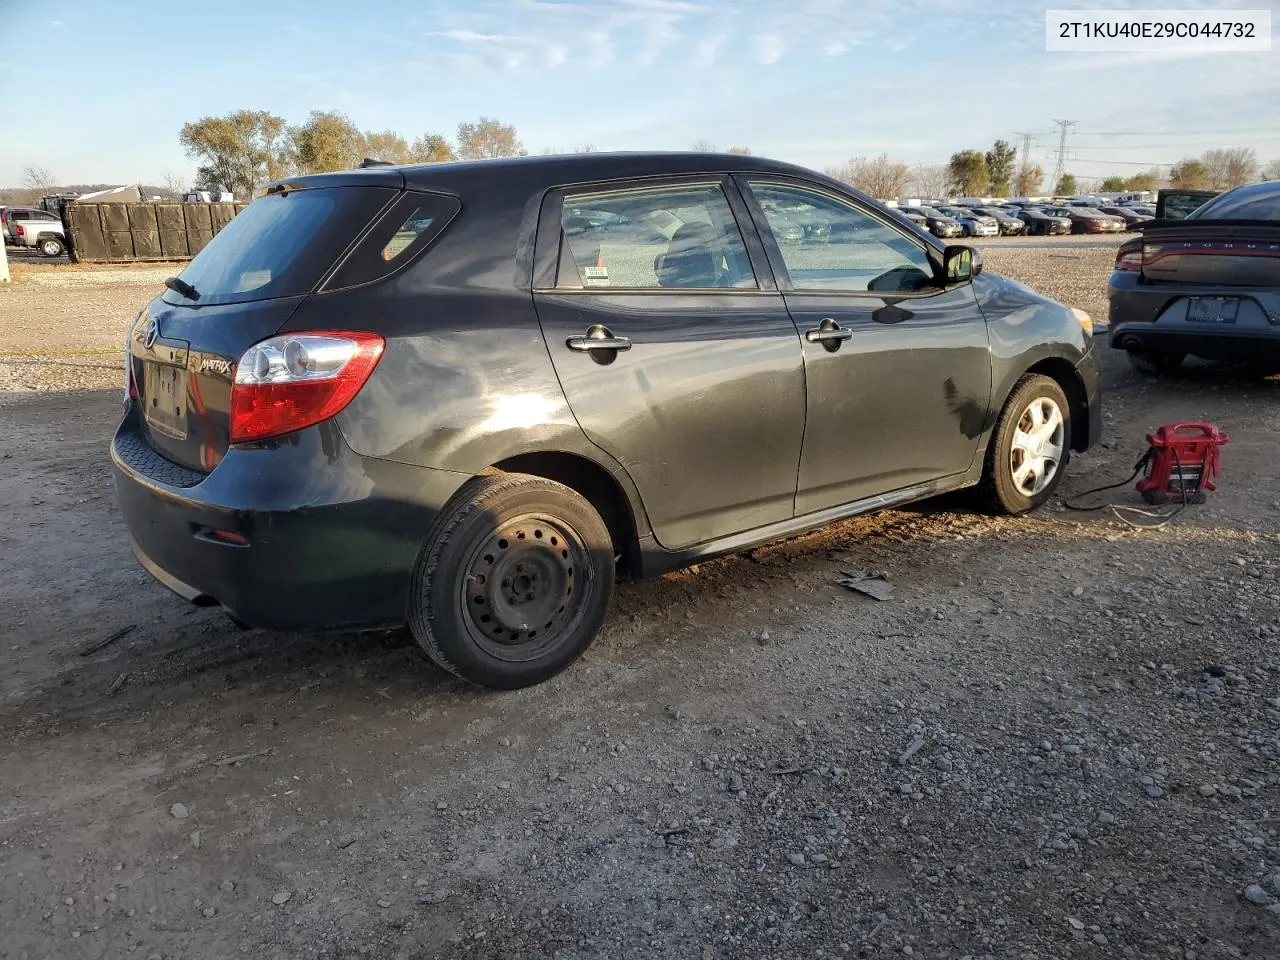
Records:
x=1059, y=738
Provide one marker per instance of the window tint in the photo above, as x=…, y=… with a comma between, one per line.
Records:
x=1257, y=204
x=667, y=237
x=830, y=245
x=281, y=244
x=414, y=226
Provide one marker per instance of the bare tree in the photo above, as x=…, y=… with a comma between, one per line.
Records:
x=37, y=178
x=1272, y=170
x=1230, y=167
x=930, y=180
x=740, y=151
x=703, y=146
x=879, y=176
x=175, y=184
x=488, y=138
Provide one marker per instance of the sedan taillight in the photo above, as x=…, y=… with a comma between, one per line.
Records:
x=299, y=379
x=1129, y=259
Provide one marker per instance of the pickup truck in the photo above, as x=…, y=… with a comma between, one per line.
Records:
x=28, y=227
x=1206, y=284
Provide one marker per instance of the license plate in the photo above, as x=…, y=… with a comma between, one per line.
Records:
x=1212, y=309
x=165, y=395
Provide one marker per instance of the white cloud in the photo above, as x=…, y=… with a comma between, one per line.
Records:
x=835, y=48
x=708, y=49
x=55, y=23
x=557, y=56
x=768, y=47
x=600, y=50
x=471, y=36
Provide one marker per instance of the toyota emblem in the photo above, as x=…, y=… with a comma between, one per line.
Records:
x=152, y=333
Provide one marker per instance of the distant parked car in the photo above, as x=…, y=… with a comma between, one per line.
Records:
x=28, y=227
x=1005, y=219
x=938, y=223
x=1041, y=224
x=1130, y=216
x=919, y=219
x=1088, y=219
x=973, y=223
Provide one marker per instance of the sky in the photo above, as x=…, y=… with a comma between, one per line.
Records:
x=97, y=92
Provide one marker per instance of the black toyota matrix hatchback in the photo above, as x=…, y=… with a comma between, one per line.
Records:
x=467, y=396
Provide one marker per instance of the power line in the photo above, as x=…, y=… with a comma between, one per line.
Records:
x=1060, y=166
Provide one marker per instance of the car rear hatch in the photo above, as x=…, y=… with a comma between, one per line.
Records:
x=241, y=288
x=1212, y=252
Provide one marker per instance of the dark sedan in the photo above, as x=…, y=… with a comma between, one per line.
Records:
x=1009, y=224
x=1041, y=224
x=1087, y=219
x=468, y=396
x=938, y=223
x=1132, y=218
x=1207, y=285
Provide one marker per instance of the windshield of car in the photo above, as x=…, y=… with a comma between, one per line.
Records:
x=281, y=245
x=1259, y=203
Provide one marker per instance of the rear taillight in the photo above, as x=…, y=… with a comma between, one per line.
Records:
x=1129, y=259
x=18, y=230
x=296, y=380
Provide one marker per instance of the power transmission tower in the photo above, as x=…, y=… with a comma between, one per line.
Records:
x=1060, y=166
x=1024, y=168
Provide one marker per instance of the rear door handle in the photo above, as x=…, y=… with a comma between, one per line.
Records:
x=598, y=338
x=829, y=333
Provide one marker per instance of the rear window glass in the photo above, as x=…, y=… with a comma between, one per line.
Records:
x=406, y=229
x=1260, y=204
x=281, y=244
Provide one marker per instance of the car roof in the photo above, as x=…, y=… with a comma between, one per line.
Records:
x=545, y=171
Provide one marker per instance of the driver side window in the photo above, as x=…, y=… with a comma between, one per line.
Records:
x=828, y=245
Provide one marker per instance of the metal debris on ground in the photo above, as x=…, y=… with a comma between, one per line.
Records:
x=871, y=583
x=97, y=645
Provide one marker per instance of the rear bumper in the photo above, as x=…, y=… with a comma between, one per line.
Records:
x=332, y=537
x=1148, y=317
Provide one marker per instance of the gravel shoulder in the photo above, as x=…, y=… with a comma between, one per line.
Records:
x=1060, y=738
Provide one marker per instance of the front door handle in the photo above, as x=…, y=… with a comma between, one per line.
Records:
x=829, y=333
x=598, y=338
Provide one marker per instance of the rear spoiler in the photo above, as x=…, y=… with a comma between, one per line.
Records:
x=1227, y=227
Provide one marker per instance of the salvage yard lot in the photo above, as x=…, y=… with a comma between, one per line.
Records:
x=727, y=773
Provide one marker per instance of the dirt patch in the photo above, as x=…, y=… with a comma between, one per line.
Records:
x=1060, y=738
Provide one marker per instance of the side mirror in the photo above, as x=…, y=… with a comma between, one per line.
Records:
x=960, y=263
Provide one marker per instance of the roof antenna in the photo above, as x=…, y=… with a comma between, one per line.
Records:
x=372, y=162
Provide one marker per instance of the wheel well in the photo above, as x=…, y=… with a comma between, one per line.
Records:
x=1066, y=377
x=594, y=483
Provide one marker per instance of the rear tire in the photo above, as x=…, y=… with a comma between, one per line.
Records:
x=1029, y=449
x=513, y=582
x=52, y=247
x=1156, y=364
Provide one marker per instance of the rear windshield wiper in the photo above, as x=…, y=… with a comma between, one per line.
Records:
x=178, y=285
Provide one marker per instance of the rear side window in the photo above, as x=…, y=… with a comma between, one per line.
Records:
x=1251, y=205
x=407, y=228
x=282, y=244
x=676, y=237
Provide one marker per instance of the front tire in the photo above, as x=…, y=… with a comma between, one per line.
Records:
x=52, y=247
x=1029, y=449
x=513, y=582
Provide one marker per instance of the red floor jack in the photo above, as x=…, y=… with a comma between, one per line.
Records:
x=1182, y=463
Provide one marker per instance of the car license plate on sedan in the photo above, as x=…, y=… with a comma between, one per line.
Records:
x=1212, y=309
x=165, y=396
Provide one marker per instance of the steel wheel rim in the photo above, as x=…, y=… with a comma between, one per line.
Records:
x=525, y=587
x=50, y=248
x=1036, y=451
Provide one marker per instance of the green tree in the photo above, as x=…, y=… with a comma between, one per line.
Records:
x=1066, y=186
x=968, y=173
x=1000, y=159
x=1028, y=180
x=1189, y=174
x=432, y=148
x=1114, y=184
x=241, y=151
x=1148, y=180
x=487, y=138
x=328, y=141
x=388, y=145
